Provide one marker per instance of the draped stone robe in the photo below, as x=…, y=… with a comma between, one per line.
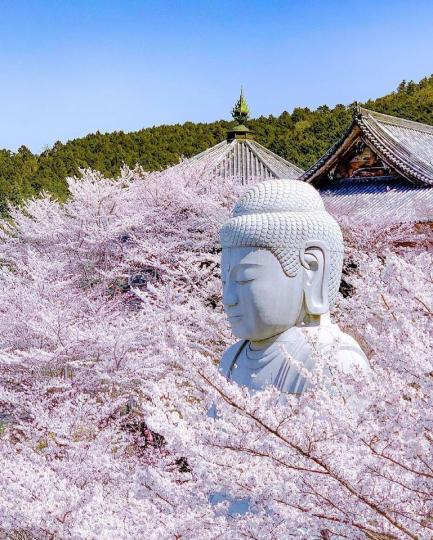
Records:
x=256, y=368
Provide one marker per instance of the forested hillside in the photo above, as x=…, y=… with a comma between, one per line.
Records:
x=300, y=137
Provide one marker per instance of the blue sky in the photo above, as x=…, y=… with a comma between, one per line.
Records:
x=71, y=67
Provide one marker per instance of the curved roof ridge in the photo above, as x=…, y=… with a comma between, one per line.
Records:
x=397, y=121
x=332, y=150
x=393, y=151
x=372, y=126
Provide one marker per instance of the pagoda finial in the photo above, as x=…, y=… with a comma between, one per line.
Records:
x=241, y=111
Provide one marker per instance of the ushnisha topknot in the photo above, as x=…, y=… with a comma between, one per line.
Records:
x=281, y=215
x=279, y=196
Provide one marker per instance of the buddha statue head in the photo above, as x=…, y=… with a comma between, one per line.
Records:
x=282, y=257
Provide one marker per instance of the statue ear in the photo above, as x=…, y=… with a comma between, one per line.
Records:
x=315, y=259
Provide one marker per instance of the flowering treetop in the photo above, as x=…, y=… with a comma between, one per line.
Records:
x=111, y=329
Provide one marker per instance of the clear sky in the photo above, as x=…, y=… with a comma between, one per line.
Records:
x=71, y=67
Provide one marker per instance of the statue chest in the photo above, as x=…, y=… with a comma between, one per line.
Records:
x=275, y=365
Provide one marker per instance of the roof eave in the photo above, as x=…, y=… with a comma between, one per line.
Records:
x=389, y=149
x=327, y=161
x=393, y=152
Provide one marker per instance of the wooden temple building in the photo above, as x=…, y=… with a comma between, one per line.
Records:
x=239, y=156
x=381, y=166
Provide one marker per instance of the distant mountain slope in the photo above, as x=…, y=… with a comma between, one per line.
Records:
x=301, y=137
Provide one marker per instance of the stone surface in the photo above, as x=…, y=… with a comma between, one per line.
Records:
x=281, y=268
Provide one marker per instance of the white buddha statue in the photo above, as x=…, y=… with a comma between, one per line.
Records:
x=282, y=256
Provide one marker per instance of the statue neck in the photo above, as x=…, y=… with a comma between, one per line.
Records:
x=309, y=321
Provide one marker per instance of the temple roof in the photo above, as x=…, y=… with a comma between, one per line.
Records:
x=363, y=200
x=405, y=146
x=239, y=156
x=244, y=159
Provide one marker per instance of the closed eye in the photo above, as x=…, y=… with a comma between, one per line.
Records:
x=244, y=281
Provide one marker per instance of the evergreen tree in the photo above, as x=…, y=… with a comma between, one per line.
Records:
x=300, y=137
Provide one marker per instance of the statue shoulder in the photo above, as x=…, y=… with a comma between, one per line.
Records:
x=229, y=356
x=351, y=354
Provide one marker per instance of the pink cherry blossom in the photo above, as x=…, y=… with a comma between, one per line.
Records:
x=111, y=333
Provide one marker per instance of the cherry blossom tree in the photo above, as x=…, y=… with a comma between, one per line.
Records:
x=111, y=332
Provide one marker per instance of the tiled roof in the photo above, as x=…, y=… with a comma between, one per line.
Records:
x=394, y=200
x=406, y=146
x=246, y=160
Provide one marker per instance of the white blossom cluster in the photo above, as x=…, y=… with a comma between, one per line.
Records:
x=110, y=334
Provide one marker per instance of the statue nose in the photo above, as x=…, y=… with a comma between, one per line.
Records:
x=230, y=297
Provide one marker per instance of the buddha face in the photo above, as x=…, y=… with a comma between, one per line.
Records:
x=259, y=299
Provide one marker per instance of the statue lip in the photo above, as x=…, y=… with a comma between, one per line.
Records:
x=233, y=317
